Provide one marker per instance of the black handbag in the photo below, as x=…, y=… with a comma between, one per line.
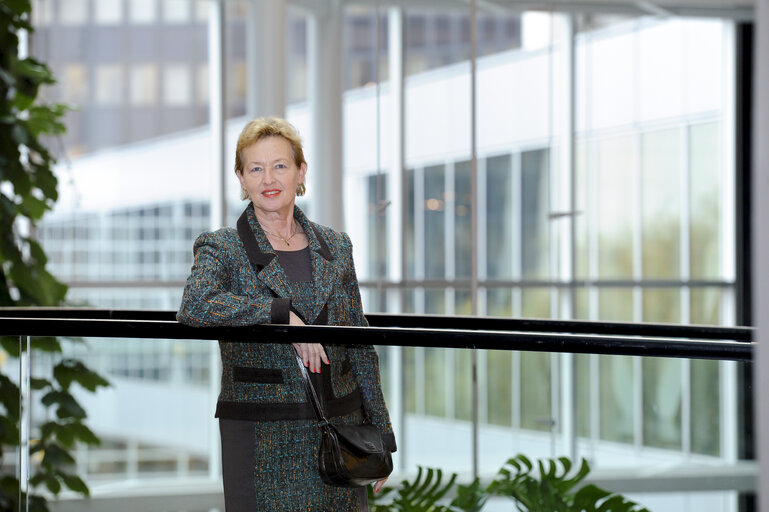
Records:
x=348, y=455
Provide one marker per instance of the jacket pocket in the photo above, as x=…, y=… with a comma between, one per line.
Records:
x=257, y=375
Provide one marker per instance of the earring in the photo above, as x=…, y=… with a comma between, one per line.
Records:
x=300, y=189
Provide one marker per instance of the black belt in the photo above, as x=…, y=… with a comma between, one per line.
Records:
x=252, y=411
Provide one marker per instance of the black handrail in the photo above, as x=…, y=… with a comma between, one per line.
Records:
x=487, y=323
x=426, y=331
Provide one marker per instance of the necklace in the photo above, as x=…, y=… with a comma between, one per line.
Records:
x=286, y=240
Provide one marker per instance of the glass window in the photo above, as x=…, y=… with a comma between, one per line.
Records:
x=463, y=238
x=535, y=391
x=662, y=395
x=499, y=383
x=376, y=229
x=409, y=237
x=616, y=400
x=142, y=11
x=144, y=84
x=534, y=214
x=462, y=388
x=109, y=84
x=705, y=410
x=434, y=220
x=75, y=84
x=73, y=12
x=176, y=11
x=661, y=204
x=177, y=85
x=705, y=203
x=499, y=218
x=616, y=171
x=108, y=12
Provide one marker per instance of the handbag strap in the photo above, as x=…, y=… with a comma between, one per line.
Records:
x=310, y=389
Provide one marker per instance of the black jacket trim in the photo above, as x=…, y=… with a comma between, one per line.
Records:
x=257, y=375
x=251, y=411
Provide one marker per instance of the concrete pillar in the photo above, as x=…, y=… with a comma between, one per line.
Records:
x=326, y=88
x=266, y=55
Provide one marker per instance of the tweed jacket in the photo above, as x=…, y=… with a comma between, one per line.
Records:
x=234, y=282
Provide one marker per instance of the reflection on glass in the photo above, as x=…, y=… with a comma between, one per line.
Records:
x=463, y=303
x=535, y=303
x=582, y=243
x=435, y=383
x=705, y=207
x=409, y=237
x=661, y=204
x=435, y=302
x=662, y=394
x=705, y=408
x=616, y=305
x=662, y=305
x=435, y=228
x=499, y=218
x=499, y=383
x=463, y=384
x=616, y=178
x=615, y=398
x=705, y=305
x=376, y=227
x=409, y=379
x=463, y=238
x=499, y=302
x=535, y=209
x=582, y=393
x=535, y=391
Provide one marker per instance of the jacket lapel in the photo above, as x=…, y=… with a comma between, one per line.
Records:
x=259, y=251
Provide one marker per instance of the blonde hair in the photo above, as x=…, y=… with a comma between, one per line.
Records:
x=261, y=128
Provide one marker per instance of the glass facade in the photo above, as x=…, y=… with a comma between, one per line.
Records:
x=597, y=178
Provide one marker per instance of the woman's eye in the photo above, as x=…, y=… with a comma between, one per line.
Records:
x=255, y=169
x=281, y=166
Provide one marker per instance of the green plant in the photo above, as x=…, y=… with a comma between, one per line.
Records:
x=422, y=495
x=28, y=188
x=553, y=488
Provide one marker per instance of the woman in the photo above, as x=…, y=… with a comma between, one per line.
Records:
x=281, y=268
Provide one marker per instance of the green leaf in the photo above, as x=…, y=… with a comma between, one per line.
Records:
x=54, y=456
x=46, y=344
x=67, y=405
x=71, y=370
x=75, y=483
x=36, y=383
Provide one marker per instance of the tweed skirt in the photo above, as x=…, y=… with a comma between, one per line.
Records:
x=272, y=466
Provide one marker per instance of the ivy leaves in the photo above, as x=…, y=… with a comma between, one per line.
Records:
x=29, y=189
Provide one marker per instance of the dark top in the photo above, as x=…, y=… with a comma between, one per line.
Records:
x=297, y=264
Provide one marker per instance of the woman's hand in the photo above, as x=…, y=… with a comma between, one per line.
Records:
x=311, y=353
x=379, y=484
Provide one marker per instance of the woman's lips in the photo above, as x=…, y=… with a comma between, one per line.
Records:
x=270, y=193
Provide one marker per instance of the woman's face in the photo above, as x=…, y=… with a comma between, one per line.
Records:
x=270, y=175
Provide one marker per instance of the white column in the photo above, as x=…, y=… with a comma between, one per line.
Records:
x=326, y=88
x=217, y=112
x=266, y=56
x=760, y=218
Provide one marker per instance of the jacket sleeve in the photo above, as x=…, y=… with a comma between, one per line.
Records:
x=208, y=298
x=364, y=359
